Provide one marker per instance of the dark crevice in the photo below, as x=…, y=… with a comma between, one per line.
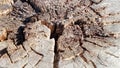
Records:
x=97, y=13
x=56, y=34
x=53, y=35
x=58, y=29
x=2, y=52
x=82, y=54
x=20, y=36
x=93, y=64
x=23, y=47
x=56, y=61
x=93, y=43
x=85, y=49
x=37, y=52
x=96, y=2
x=38, y=62
x=27, y=20
x=56, y=56
x=84, y=58
x=9, y=57
x=23, y=0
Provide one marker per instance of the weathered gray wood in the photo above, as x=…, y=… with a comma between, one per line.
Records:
x=86, y=30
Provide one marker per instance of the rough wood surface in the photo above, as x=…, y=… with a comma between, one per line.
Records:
x=59, y=34
x=5, y=6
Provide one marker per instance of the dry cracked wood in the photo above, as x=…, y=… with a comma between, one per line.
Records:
x=69, y=43
x=36, y=51
x=95, y=23
x=100, y=52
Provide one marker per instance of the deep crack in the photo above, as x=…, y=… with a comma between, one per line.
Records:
x=20, y=36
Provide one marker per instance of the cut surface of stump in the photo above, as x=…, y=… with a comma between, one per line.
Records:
x=86, y=34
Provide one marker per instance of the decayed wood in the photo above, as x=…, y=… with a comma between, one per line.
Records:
x=69, y=43
x=86, y=34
